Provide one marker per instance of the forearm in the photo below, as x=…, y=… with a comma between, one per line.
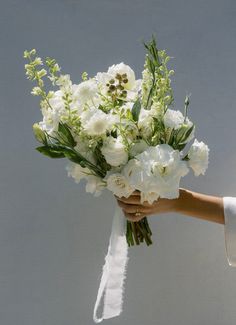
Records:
x=202, y=206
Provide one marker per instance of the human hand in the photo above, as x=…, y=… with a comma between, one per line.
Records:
x=135, y=211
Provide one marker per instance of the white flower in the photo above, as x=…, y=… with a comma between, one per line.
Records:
x=150, y=197
x=94, y=185
x=64, y=82
x=138, y=179
x=163, y=168
x=95, y=122
x=198, y=157
x=77, y=172
x=138, y=147
x=173, y=119
x=145, y=122
x=53, y=114
x=82, y=147
x=114, y=151
x=86, y=90
x=123, y=69
x=119, y=185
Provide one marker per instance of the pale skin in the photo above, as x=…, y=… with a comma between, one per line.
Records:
x=189, y=203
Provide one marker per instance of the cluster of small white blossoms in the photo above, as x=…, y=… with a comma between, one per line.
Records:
x=99, y=113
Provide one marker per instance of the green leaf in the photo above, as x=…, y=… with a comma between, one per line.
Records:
x=51, y=152
x=189, y=132
x=65, y=131
x=181, y=146
x=136, y=110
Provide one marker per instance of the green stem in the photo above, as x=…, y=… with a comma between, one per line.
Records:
x=135, y=233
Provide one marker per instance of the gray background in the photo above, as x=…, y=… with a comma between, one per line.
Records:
x=54, y=236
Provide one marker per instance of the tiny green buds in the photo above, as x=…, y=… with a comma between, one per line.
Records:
x=39, y=134
x=84, y=76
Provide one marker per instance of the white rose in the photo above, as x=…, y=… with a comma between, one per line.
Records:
x=114, y=151
x=123, y=69
x=119, y=185
x=198, y=157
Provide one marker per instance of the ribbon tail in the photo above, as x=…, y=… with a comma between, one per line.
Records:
x=114, y=271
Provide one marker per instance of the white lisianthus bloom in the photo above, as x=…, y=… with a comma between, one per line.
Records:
x=137, y=177
x=95, y=122
x=198, y=157
x=173, y=119
x=150, y=197
x=114, y=151
x=132, y=170
x=77, y=172
x=86, y=91
x=122, y=69
x=94, y=185
x=118, y=185
x=164, y=168
x=138, y=147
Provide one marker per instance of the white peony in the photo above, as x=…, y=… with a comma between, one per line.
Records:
x=114, y=151
x=198, y=157
x=118, y=185
x=95, y=122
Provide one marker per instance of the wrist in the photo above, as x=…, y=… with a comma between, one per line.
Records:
x=179, y=204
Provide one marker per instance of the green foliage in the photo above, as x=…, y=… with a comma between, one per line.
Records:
x=178, y=138
x=136, y=110
x=64, y=134
x=156, y=85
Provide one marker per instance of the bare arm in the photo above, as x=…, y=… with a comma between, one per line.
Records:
x=190, y=203
x=199, y=205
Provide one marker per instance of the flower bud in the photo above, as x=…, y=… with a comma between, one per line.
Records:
x=38, y=133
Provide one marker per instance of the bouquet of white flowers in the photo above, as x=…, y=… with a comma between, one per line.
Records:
x=118, y=132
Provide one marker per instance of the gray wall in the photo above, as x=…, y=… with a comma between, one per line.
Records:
x=54, y=236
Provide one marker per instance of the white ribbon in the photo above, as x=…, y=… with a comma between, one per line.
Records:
x=114, y=271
